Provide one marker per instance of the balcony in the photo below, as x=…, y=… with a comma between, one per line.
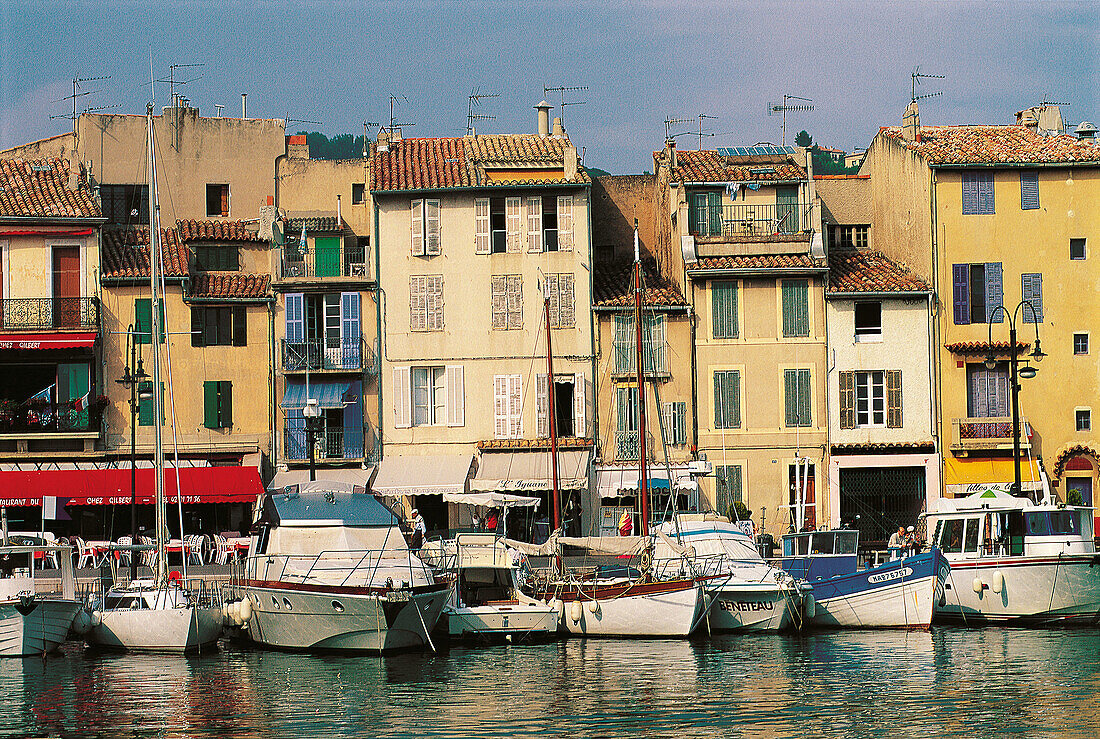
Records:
x=753, y=222
x=342, y=355
x=44, y=314
x=331, y=444
x=47, y=429
x=626, y=445
x=987, y=434
x=312, y=263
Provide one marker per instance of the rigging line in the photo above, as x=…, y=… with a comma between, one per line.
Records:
x=172, y=401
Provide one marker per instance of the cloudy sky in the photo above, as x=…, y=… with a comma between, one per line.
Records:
x=338, y=62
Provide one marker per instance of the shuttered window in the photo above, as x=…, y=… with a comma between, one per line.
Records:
x=727, y=487
x=987, y=391
x=977, y=291
x=217, y=404
x=796, y=397
x=870, y=395
x=654, y=345
x=675, y=418
x=507, y=301
x=481, y=226
x=146, y=404
x=534, y=224
x=705, y=214
x=143, y=320
x=426, y=303
x=727, y=399
x=977, y=193
x=893, y=399
x=723, y=303
x=507, y=406
x=513, y=224
x=565, y=223
x=1029, y=189
x=847, y=400
x=1032, y=290
x=796, y=308
x=219, y=326
x=559, y=288
x=425, y=224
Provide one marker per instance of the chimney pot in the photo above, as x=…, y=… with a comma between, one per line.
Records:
x=543, y=109
x=559, y=130
x=910, y=123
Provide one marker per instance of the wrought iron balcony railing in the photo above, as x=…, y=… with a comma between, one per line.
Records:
x=327, y=354
x=37, y=314
x=973, y=434
x=311, y=263
x=329, y=443
x=750, y=220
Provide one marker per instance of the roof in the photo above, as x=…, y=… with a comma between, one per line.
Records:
x=313, y=224
x=40, y=188
x=613, y=286
x=712, y=166
x=229, y=286
x=757, y=262
x=125, y=253
x=884, y=447
x=981, y=347
x=473, y=161
x=865, y=271
x=223, y=231
x=984, y=145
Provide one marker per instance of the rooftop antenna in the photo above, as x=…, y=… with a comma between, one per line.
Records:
x=288, y=120
x=784, y=107
x=581, y=88
x=474, y=99
x=173, y=99
x=703, y=116
x=917, y=77
x=393, y=120
x=670, y=122
x=77, y=93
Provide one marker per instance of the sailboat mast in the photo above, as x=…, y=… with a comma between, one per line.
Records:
x=643, y=476
x=552, y=412
x=154, y=342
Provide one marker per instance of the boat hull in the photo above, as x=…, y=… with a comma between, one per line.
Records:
x=897, y=594
x=182, y=629
x=750, y=607
x=1035, y=591
x=36, y=626
x=498, y=622
x=660, y=609
x=339, y=618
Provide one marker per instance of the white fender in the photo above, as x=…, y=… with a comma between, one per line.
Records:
x=96, y=617
x=998, y=581
x=576, y=611
x=594, y=607
x=245, y=610
x=979, y=586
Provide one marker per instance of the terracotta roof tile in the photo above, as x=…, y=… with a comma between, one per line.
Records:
x=994, y=145
x=865, y=271
x=757, y=261
x=190, y=231
x=710, y=166
x=885, y=447
x=125, y=253
x=420, y=164
x=313, y=224
x=981, y=347
x=230, y=286
x=40, y=188
x=614, y=286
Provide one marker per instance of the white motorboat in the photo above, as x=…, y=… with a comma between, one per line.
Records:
x=32, y=622
x=1017, y=562
x=486, y=602
x=329, y=569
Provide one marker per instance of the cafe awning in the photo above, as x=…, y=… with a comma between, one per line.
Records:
x=422, y=475
x=33, y=341
x=977, y=474
x=492, y=500
x=612, y=481
x=101, y=485
x=530, y=471
x=298, y=477
x=329, y=394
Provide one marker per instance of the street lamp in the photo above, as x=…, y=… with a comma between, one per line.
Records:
x=1015, y=372
x=312, y=413
x=133, y=380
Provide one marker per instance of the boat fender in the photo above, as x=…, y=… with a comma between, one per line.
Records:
x=96, y=617
x=232, y=613
x=576, y=611
x=998, y=581
x=594, y=607
x=558, y=606
x=82, y=623
x=979, y=586
x=809, y=606
x=246, y=610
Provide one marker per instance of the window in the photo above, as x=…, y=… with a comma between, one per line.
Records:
x=426, y=303
x=217, y=404
x=1083, y=419
x=870, y=399
x=217, y=258
x=654, y=347
x=1080, y=344
x=1032, y=291
x=219, y=326
x=146, y=406
x=796, y=388
x=217, y=200
x=426, y=239
x=727, y=487
x=987, y=391
x=1029, y=189
x=358, y=193
x=723, y=307
x=976, y=292
x=675, y=419
x=508, y=406
x=977, y=193
x=800, y=478
x=868, y=321
x=125, y=204
x=569, y=405
x=796, y=308
x=1076, y=248
x=143, y=320
x=507, y=301
x=626, y=423
x=505, y=224
x=705, y=213
x=848, y=237
x=727, y=399
x=559, y=288
x=429, y=396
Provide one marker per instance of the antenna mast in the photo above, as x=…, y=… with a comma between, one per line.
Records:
x=917, y=77
x=703, y=116
x=670, y=122
x=393, y=120
x=474, y=99
x=77, y=94
x=563, y=89
x=783, y=108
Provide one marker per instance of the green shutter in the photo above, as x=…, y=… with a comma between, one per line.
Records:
x=225, y=403
x=143, y=320
x=734, y=483
x=210, y=404
x=624, y=349
x=796, y=308
x=327, y=256
x=724, y=309
x=147, y=406
x=240, y=326
x=727, y=399
x=198, y=326
x=805, y=415
x=790, y=396
x=714, y=214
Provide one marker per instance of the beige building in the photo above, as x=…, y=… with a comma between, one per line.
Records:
x=472, y=235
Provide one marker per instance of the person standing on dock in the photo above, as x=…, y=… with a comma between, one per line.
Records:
x=419, y=530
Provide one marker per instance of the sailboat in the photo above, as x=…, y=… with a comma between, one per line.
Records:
x=158, y=614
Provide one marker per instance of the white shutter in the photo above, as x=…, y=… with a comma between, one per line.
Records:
x=434, y=299
x=402, y=395
x=456, y=397
x=513, y=224
x=566, y=313
x=418, y=228
x=667, y=422
x=534, y=224
x=433, y=243
x=481, y=226
x=579, y=406
x=542, y=407
x=501, y=406
x=565, y=222
x=514, y=285
x=499, y=297
x=551, y=291
x=515, y=406
x=418, y=308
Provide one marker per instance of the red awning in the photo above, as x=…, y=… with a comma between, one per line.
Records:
x=112, y=486
x=47, y=341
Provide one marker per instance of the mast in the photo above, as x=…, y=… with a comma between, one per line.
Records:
x=552, y=412
x=161, y=574
x=643, y=476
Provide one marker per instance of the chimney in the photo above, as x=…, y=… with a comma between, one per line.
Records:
x=910, y=123
x=544, y=118
x=383, y=139
x=1085, y=130
x=74, y=175
x=1029, y=119
x=670, y=153
x=559, y=131
x=244, y=105
x=570, y=162
x=297, y=147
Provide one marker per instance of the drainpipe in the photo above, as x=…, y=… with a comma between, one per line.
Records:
x=271, y=397
x=379, y=338
x=592, y=349
x=935, y=316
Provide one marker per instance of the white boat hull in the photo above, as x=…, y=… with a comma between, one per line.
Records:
x=906, y=604
x=1039, y=590
x=519, y=620
x=751, y=607
x=647, y=610
x=182, y=629
x=37, y=627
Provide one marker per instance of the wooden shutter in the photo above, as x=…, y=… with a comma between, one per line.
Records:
x=679, y=418
x=225, y=403
x=805, y=413
x=514, y=301
x=790, y=397
x=433, y=243
x=513, y=220
x=402, y=397
x=727, y=399
x=210, y=404
x=1029, y=190
x=986, y=203
x=994, y=293
x=499, y=297
x=225, y=200
x=295, y=318
x=456, y=396
x=655, y=360
x=418, y=303
x=481, y=226
x=515, y=406
x=435, y=302
x=550, y=290
x=500, y=406
x=565, y=222
x=623, y=354
x=796, y=309
x=960, y=278
x=969, y=193
x=847, y=400
x=198, y=326
x=240, y=326
x=566, y=302
x=143, y=321
x=1032, y=291
x=542, y=407
x=534, y=224
x=714, y=213
x=697, y=213
x=580, y=406
x=893, y=399
x=418, y=228
x=723, y=301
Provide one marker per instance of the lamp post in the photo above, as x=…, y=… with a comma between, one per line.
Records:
x=1015, y=372
x=133, y=380
x=312, y=414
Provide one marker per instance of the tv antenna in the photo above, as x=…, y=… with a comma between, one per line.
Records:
x=78, y=93
x=367, y=126
x=917, y=77
x=784, y=108
x=670, y=122
x=288, y=120
x=562, y=90
x=394, y=99
x=474, y=99
x=702, y=117
x=172, y=81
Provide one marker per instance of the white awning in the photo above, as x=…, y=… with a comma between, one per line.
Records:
x=299, y=477
x=422, y=475
x=610, y=481
x=530, y=471
x=493, y=500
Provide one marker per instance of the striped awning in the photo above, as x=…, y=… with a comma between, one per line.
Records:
x=329, y=394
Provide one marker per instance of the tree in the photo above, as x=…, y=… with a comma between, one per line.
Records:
x=804, y=139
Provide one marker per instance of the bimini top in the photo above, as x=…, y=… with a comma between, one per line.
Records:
x=325, y=504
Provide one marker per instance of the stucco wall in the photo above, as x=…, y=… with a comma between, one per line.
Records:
x=845, y=199
x=616, y=201
x=900, y=205
x=27, y=264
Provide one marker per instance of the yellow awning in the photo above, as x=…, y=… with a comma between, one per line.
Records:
x=976, y=474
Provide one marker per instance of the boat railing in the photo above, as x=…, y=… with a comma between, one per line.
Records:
x=199, y=592
x=342, y=567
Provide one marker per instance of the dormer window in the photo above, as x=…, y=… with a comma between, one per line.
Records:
x=217, y=258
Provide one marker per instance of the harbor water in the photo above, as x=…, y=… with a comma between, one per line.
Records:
x=943, y=683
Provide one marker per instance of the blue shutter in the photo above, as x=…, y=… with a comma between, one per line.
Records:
x=969, y=194
x=295, y=317
x=350, y=331
x=1029, y=190
x=994, y=293
x=961, y=291
x=1032, y=291
x=353, y=420
x=985, y=193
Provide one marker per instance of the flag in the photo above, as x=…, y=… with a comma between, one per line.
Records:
x=82, y=403
x=302, y=240
x=46, y=395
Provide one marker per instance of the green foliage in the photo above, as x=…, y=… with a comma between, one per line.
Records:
x=803, y=138
x=596, y=172
x=738, y=511
x=824, y=164
x=340, y=146
x=1073, y=497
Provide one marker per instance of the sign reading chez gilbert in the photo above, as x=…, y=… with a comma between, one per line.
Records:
x=20, y=344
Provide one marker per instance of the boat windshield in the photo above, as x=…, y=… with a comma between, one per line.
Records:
x=1046, y=523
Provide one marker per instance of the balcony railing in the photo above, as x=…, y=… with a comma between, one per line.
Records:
x=330, y=443
x=311, y=263
x=37, y=314
x=752, y=220
x=987, y=434
x=17, y=419
x=327, y=354
x=626, y=445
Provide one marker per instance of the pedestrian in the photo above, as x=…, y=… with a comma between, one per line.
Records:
x=491, y=520
x=419, y=530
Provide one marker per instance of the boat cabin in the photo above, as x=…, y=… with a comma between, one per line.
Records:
x=485, y=570
x=1013, y=532
x=816, y=555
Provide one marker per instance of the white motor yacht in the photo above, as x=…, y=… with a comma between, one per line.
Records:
x=32, y=622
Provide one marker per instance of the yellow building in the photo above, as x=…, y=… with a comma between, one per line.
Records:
x=992, y=216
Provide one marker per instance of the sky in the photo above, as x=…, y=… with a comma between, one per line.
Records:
x=338, y=62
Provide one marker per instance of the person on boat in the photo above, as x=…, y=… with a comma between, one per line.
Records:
x=896, y=543
x=912, y=544
x=419, y=530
